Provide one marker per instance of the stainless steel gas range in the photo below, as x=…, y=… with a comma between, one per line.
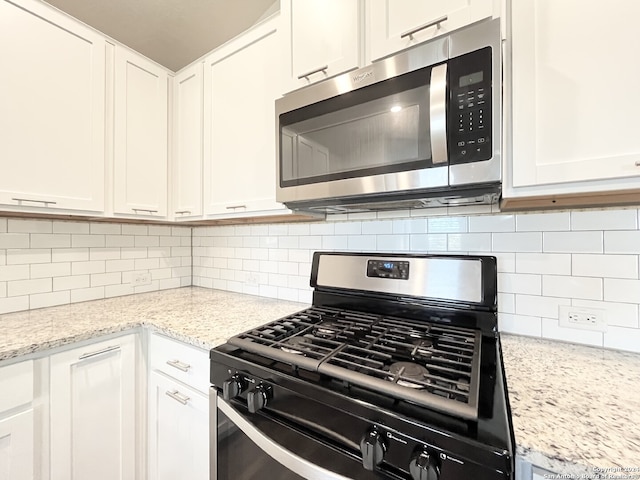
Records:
x=394, y=372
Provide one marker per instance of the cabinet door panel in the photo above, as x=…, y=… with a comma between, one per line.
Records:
x=93, y=411
x=52, y=110
x=241, y=85
x=16, y=447
x=140, y=169
x=324, y=38
x=390, y=21
x=178, y=431
x=187, y=143
x=573, y=123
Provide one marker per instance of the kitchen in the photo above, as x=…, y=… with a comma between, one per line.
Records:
x=549, y=263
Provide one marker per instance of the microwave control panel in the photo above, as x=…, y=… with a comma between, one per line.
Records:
x=469, y=109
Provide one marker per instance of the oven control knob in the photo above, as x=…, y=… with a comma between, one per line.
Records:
x=233, y=387
x=424, y=466
x=373, y=448
x=258, y=397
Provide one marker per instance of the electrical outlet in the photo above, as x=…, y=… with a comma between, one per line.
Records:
x=252, y=279
x=583, y=318
x=141, y=278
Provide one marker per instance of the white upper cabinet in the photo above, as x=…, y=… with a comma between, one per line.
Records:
x=322, y=39
x=140, y=151
x=573, y=129
x=52, y=111
x=241, y=83
x=186, y=171
x=393, y=25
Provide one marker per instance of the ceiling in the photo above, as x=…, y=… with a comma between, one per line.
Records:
x=173, y=33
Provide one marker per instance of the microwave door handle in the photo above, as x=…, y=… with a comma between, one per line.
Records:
x=438, y=114
x=286, y=458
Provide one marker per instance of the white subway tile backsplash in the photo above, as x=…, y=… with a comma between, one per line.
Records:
x=3, y=289
x=520, y=324
x=14, y=304
x=110, y=253
x=3, y=225
x=70, y=227
x=322, y=229
x=409, y=225
x=19, y=225
x=464, y=242
x=3, y=257
x=132, y=229
x=83, y=268
x=613, y=266
x=268, y=242
x=14, y=240
x=543, y=263
x=288, y=242
x=86, y=294
x=250, y=242
x=519, y=283
x=543, y=222
x=105, y=228
x=538, y=306
x=361, y=243
x=119, y=265
x=278, y=230
x=27, y=256
x=572, y=287
x=27, y=287
x=164, y=241
x=116, y=241
x=506, y=262
x=101, y=279
x=69, y=254
x=277, y=255
x=297, y=229
x=377, y=227
x=147, y=240
x=573, y=242
x=159, y=230
x=431, y=242
x=290, y=294
x=146, y=263
x=71, y=282
x=622, y=339
x=552, y=329
x=44, y=270
x=45, y=240
x=622, y=242
x=447, y=225
x=9, y=273
x=393, y=214
x=393, y=243
x=492, y=223
x=348, y=228
x=118, y=290
x=605, y=220
x=234, y=264
x=134, y=252
x=618, y=290
x=361, y=216
x=334, y=243
x=41, y=300
x=506, y=303
x=517, y=242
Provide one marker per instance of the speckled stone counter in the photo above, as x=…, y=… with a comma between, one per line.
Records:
x=574, y=408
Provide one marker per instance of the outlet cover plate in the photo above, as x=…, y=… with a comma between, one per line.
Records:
x=141, y=278
x=584, y=318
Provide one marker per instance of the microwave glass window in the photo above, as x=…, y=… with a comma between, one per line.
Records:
x=386, y=134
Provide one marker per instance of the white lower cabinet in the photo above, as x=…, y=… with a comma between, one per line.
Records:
x=178, y=410
x=93, y=411
x=17, y=442
x=178, y=430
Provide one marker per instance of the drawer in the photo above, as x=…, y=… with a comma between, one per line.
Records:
x=17, y=385
x=183, y=362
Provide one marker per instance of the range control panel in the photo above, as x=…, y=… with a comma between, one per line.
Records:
x=469, y=115
x=398, y=269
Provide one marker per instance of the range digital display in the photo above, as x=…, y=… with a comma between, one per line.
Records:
x=397, y=269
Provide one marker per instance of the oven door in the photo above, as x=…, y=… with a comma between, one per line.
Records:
x=255, y=446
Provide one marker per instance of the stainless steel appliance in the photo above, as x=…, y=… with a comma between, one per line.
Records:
x=422, y=128
x=394, y=372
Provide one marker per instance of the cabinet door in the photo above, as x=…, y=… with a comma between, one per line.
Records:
x=574, y=110
x=140, y=164
x=322, y=38
x=52, y=110
x=178, y=431
x=93, y=404
x=241, y=83
x=16, y=446
x=187, y=143
x=394, y=25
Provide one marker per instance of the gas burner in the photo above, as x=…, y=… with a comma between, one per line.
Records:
x=327, y=329
x=463, y=385
x=294, y=345
x=409, y=371
x=422, y=347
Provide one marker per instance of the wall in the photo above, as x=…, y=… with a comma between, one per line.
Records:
x=580, y=258
x=48, y=262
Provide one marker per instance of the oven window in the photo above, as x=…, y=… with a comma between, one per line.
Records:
x=239, y=458
x=382, y=128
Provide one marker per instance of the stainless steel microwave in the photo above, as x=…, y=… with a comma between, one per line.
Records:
x=421, y=128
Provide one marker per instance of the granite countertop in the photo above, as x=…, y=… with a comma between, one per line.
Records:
x=575, y=409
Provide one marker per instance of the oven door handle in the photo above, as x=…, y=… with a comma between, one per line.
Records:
x=296, y=464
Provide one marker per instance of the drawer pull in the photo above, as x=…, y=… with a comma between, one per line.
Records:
x=179, y=365
x=177, y=396
x=234, y=207
x=45, y=202
x=437, y=22
x=317, y=70
x=99, y=352
x=638, y=163
x=144, y=210
x=183, y=212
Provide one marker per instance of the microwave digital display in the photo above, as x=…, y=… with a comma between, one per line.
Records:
x=472, y=78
